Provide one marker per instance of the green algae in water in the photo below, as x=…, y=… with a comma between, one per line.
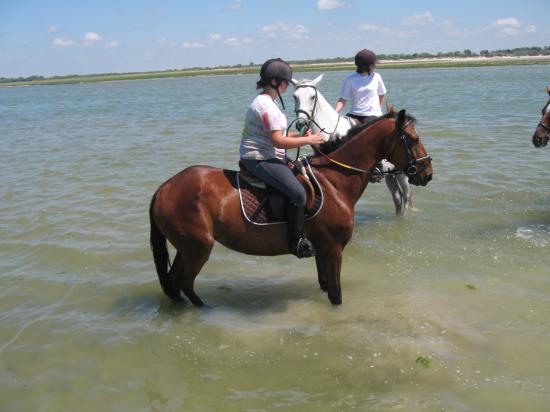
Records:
x=423, y=361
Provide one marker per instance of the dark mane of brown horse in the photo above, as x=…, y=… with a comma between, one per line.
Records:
x=332, y=145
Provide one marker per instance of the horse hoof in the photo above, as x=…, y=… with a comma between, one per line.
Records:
x=195, y=300
x=175, y=295
x=335, y=297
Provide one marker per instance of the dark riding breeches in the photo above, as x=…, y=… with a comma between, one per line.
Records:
x=277, y=174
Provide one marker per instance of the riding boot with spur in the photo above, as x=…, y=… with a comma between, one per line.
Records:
x=298, y=244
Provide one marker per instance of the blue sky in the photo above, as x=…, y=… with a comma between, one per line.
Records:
x=79, y=37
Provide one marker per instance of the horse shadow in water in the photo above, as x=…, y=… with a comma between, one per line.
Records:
x=200, y=205
x=314, y=111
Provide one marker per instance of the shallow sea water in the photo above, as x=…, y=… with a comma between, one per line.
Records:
x=447, y=308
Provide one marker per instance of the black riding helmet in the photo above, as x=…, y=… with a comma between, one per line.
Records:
x=363, y=59
x=274, y=69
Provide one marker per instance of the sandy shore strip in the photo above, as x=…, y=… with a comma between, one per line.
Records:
x=433, y=62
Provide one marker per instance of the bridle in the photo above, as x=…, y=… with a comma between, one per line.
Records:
x=311, y=116
x=544, y=126
x=411, y=170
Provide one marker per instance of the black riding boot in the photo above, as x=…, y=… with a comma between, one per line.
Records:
x=298, y=244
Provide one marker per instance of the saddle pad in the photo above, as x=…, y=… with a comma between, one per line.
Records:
x=255, y=203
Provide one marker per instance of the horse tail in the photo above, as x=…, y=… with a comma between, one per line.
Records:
x=160, y=252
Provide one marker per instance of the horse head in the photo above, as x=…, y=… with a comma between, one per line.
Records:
x=542, y=132
x=311, y=107
x=408, y=153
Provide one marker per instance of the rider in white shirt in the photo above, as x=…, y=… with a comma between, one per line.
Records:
x=263, y=148
x=365, y=89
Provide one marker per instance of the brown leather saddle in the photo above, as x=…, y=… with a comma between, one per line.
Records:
x=262, y=204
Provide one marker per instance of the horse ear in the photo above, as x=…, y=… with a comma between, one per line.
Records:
x=401, y=118
x=294, y=82
x=389, y=108
x=317, y=80
x=548, y=89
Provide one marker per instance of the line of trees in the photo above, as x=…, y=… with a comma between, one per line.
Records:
x=520, y=51
x=517, y=52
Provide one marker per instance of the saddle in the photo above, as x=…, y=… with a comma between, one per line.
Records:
x=262, y=204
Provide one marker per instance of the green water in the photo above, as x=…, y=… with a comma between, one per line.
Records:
x=447, y=308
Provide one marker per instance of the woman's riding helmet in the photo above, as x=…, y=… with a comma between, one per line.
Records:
x=363, y=59
x=275, y=69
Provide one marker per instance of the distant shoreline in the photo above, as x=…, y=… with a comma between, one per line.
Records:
x=435, y=62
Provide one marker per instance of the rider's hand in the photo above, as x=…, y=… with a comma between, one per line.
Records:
x=315, y=137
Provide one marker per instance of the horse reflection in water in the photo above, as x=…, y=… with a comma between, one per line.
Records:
x=314, y=111
x=542, y=132
x=201, y=205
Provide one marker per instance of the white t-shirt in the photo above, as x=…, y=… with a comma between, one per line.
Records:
x=363, y=92
x=262, y=116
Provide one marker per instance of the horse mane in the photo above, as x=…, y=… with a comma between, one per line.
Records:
x=332, y=145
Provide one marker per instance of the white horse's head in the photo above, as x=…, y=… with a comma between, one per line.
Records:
x=306, y=99
x=313, y=110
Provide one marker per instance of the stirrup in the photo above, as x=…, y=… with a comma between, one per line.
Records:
x=304, y=248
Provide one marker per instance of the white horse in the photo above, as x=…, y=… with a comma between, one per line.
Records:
x=313, y=109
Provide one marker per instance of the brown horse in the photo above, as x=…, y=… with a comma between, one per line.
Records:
x=201, y=204
x=542, y=132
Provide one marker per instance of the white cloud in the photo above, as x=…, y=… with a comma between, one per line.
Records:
x=214, y=37
x=331, y=4
x=290, y=31
x=510, y=26
x=236, y=42
x=232, y=41
x=507, y=22
x=61, y=42
x=508, y=31
x=112, y=44
x=91, y=38
x=368, y=27
x=418, y=19
x=192, y=45
x=52, y=29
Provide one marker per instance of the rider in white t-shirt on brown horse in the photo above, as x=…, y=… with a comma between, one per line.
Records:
x=263, y=148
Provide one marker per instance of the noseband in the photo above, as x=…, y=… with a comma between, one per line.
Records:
x=412, y=168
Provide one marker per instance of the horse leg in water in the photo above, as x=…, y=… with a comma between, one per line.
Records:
x=193, y=255
x=329, y=264
x=321, y=275
x=397, y=196
x=406, y=192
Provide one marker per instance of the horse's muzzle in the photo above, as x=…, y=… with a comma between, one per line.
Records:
x=301, y=123
x=421, y=179
x=540, y=140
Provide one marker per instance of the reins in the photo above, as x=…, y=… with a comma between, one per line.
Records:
x=412, y=168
